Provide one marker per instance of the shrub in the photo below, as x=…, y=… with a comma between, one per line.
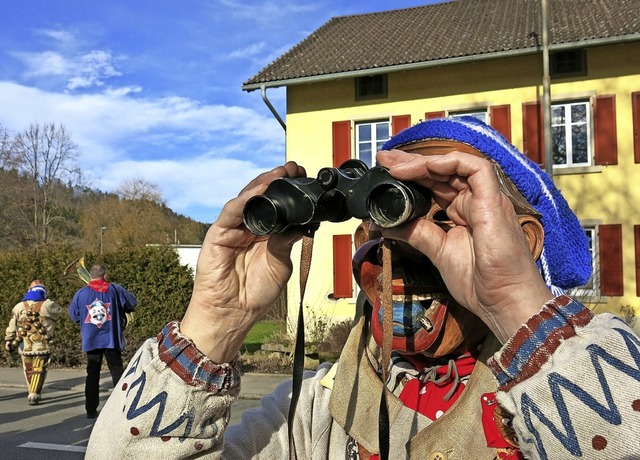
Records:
x=153, y=274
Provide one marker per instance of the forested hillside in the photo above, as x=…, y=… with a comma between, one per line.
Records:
x=44, y=200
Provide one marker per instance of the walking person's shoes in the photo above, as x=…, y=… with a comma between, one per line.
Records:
x=92, y=414
x=33, y=399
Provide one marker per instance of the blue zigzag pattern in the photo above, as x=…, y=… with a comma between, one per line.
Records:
x=557, y=383
x=159, y=401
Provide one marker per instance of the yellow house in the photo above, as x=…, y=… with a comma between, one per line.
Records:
x=359, y=79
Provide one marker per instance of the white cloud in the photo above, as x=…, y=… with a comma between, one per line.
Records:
x=46, y=63
x=80, y=71
x=199, y=154
x=62, y=36
x=201, y=181
x=122, y=91
x=268, y=12
x=248, y=52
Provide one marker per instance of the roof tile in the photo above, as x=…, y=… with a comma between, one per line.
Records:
x=453, y=29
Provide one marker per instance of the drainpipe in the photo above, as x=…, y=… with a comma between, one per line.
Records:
x=546, y=93
x=263, y=90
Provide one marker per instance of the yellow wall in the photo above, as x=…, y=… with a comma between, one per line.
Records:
x=610, y=195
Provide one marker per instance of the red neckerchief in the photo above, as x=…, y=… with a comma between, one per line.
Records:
x=432, y=399
x=99, y=285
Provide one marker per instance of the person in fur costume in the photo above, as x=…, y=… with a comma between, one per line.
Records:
x=31, y=331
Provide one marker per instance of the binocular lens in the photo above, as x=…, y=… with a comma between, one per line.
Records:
x=261, y=215
x=389, y=205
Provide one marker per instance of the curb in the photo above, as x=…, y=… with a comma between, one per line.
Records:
x=53, y=386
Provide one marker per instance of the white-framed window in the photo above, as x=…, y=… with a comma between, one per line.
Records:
x=479, y=114
x=370, y=136
x=571, y=128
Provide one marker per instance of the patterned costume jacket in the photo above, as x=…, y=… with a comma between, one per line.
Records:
x=570, y=381
x=36, y=337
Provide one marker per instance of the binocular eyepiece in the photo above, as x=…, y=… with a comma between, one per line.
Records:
x=336, y=195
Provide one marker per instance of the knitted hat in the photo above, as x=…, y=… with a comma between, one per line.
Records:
x=565, y=261
x=36, y=293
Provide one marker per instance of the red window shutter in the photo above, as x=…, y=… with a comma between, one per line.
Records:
x=400, y=123
x=342, y=277
x=341, y=142
x=604, y=123
x=636, y=236
x=635, y=107
x=611, y=282
x=432, y=115
x=501, y=119
x=533, y=132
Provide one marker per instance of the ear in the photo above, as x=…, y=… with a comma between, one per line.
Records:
x=534, y=233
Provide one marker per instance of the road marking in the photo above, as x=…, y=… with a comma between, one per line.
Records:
x=47, y=446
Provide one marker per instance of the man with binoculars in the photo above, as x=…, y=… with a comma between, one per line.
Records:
x=488, y=358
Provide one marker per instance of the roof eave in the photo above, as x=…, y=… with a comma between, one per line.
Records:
x=439, y=62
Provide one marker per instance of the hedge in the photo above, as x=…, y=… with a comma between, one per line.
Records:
x=153, y=274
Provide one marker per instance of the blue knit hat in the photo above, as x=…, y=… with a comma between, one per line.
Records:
x=565, y=261
x=36, y=293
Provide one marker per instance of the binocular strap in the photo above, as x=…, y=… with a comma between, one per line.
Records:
x=299, y=350
x=385, y=359
x=298, y=354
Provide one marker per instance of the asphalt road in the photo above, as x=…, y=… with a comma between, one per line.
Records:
x=58, y=427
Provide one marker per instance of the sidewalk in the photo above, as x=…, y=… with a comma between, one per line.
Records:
x=254, y=386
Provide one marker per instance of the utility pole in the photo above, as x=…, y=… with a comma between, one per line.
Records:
x=546, y=92
x=102, y=229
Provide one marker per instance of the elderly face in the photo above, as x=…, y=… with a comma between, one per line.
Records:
x=426, y=317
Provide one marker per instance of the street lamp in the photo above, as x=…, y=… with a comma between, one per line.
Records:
x=102, y=229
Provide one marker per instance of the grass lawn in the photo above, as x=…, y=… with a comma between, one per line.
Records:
x=259, y=334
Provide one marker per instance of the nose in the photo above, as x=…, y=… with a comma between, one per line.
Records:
x=375, y=232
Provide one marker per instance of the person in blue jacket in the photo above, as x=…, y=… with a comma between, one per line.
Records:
x=99, y=309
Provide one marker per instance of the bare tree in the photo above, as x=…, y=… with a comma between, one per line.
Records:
x=13, y=231
x=5, y=149
x=46, y=154
x=140, y=189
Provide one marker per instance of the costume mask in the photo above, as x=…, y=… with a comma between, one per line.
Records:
x=426, y=319
x=555, y=237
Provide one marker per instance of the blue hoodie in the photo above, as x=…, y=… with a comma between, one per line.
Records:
x=99, y=308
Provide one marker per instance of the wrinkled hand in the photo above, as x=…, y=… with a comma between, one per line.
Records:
x=484, y=259
x=239, y=275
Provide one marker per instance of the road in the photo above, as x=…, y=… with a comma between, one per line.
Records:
x=58, y=427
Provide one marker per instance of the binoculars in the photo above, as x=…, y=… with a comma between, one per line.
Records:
x=336, y=195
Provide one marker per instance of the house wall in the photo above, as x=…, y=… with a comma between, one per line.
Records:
x=189, y=255
x=598, y=195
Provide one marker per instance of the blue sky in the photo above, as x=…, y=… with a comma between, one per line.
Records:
x=151, y=89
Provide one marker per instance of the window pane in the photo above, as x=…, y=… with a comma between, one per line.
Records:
x=480, y=115
x=557, y=115
x=559, y=145
x=364, y=132
x=382, y=132
x=364, y=153
x=579, y=144
x=578, y=113
x=591, y=233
